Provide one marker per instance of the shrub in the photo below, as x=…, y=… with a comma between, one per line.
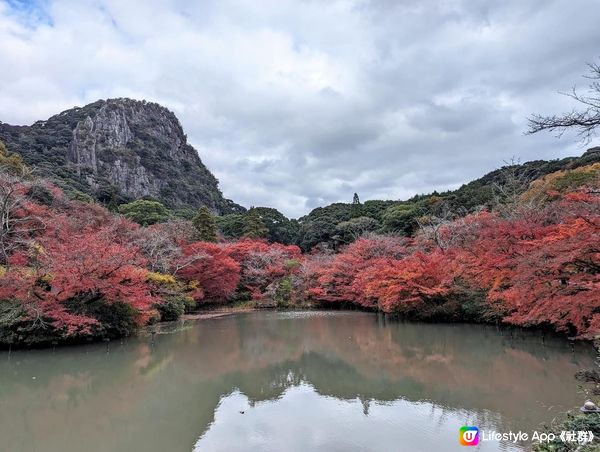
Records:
x=575, y=422
x=172, y=308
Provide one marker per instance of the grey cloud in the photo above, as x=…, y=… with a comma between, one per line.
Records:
x=296, y=104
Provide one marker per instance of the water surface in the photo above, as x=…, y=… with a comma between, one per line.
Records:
x=268, y=381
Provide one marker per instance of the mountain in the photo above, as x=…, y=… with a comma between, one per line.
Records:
x=118, y=150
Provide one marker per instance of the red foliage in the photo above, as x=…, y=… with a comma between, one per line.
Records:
x=544, y=268
x=555, y=278
x=541, y=266
x=262, y=263
x=208, y=266
x=332, y=280
x=70, y=261
x=397, y=285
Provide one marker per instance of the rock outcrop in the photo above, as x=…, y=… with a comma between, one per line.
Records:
x=119, y=150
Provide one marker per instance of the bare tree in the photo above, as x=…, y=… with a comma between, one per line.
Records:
x=164, y=254
x=585, y=121
x=433, y=225
x=17, y=224
x=514, y=180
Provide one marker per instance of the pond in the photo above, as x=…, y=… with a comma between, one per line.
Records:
x=288, y=381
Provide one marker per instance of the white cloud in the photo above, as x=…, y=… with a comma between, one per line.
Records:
x=293, y=103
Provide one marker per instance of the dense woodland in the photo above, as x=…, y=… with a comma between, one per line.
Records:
x=520, y=249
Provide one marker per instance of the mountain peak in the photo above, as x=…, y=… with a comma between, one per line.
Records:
x=118, y=150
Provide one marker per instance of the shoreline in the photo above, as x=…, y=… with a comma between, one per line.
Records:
x=225, y=311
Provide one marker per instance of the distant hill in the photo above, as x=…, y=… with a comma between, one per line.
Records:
x=340, y=223
x=118, y=150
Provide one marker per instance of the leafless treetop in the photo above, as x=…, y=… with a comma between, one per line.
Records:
x=584, y=120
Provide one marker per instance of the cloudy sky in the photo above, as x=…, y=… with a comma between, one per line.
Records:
x=295, y=104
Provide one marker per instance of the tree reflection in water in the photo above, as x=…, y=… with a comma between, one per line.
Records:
x=350, y=375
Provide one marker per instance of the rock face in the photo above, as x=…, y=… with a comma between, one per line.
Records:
x=119, y=150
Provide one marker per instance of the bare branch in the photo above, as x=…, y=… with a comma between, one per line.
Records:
x=585, y=122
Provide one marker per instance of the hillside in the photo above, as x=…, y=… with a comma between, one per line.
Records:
x=118, y=150
x=340, y=223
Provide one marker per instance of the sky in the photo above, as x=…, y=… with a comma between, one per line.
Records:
x=297, y=104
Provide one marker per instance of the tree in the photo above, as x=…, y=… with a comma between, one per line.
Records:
x=145, y=212
x=281, y=229
x=158, y=246
x=20, y=219
x=401, y=218
x=553, y=277
x=254, y=226
x=356, y=206
x=332, y=280
x=262, y=263
x=73, y=279
x=11, y=163
x=403, y=285
x=205, y=225
x=231, y=226
x=349, y=231
x=585, y=121
x=512, y=181
x=210, y=270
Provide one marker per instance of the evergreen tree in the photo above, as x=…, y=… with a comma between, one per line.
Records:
x=356, y=206
x=254, y=226
x=145, y=212
x=205, y=225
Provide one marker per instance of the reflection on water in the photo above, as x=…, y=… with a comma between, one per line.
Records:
x=322, y=423
x=287, y=381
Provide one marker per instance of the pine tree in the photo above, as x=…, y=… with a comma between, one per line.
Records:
x=205, y=225
x=254, y=226
x=356, y=206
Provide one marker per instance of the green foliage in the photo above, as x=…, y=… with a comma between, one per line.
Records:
x=349, y=231
x=205, y=225
x=172, y=308
x=315, y=232
x=77, y=195
x=585, y=422
x=319, y=226
x=356, y=206
x=109, y=195
x=117, y=319
x=231, y=226
x=575, y=179
x=10, y=162
x=11, y=315
x=280, y=228
x=184, y=213
x=254, y=226
x=401, y=218
x=41, y=195
x=376, y=208
x=145, y=212
x=283, y=293
x=184, y=180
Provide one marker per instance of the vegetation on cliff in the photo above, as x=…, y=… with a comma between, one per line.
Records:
x=117, y=151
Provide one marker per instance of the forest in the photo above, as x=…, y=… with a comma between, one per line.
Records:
x=73, y=270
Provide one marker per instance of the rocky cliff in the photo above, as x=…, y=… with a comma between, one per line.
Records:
x=119, y=150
